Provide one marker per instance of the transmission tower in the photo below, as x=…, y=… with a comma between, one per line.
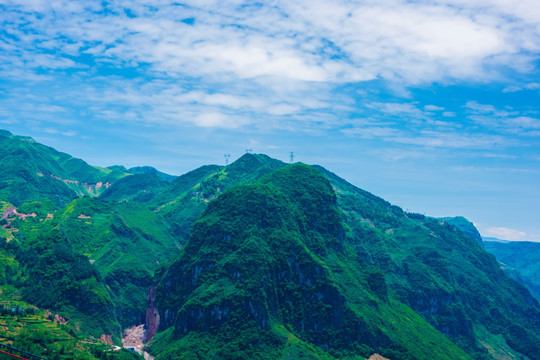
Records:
x=249, y=151
x=227, y=157
x=291, y=155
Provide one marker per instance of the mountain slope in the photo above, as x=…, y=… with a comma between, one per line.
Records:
x=125, y=242
x=151, y=170
x=266, y=273
x=31, y=171
x=281, y=263
x=184, y=201
x=443, y=274
x=465, y=226
x=140, y=187
x=520, y=260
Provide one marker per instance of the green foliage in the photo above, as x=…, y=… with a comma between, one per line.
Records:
x=465, y=226
x=187, y=197
x=124, y=241
x=520, y=260
x=151, y=170
x=27, y=328
x=270, y=256
x=439, y=269
x=281, y=262
x=30, y=171
x=141, y=187
x=59, y=279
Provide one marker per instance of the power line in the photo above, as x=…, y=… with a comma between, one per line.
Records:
x=24, y=353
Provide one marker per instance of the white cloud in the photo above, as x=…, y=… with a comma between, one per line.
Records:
x=504, y=233
x=371, y=132
x=523, y=122
x=507, y=121
x=433, y=108
x=310, y=41
x=480, y=108
x=516, y=88
x=277, y=64
x=219, y=120
x=397, y=108
x=439, y=139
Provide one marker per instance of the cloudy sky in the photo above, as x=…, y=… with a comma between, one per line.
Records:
x=433, y=105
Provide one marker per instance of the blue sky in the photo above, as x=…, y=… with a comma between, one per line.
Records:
x=433, y=105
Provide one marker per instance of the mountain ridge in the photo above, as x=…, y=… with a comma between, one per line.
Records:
x=403, y=285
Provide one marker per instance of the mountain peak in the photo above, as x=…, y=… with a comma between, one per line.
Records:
x=5, y=133
x=249, y=160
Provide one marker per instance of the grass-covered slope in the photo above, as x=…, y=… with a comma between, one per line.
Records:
x=184, y=201
x=268, y=273
x=141, y=187
x=45, y=334
x=443, y=274
x=465, y=226
x=520, y=260
x=53, y=277
x=121, y=243
x=32, y=171
x=150, y=170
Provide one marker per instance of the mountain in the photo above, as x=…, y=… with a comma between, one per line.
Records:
x=426, y=264
x=257, y=259
x=520, y=260
x=487, y=238
x=266, y=274
x=464, y=226
x=32, y=171
x=140, y=187
x=151, y=170
x=443, y=274
x=184, y=201
x=123, y=242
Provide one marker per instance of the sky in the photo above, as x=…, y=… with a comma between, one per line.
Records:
x=432, y=105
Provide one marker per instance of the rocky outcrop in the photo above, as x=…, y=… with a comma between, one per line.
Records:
x=152, y=315
x=107, y=339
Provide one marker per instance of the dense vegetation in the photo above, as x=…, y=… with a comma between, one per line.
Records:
x=121, y=244
x=187, y=197
x=267, y=268
x=282, y=262
x=141, y=187
x=442, y=273
x=520, y=260
x=31, y=171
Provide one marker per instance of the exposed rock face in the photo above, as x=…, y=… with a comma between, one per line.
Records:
x=133, y=338
x=152, y=315
x=60, y=320
x=377, y=357
x=107, y=339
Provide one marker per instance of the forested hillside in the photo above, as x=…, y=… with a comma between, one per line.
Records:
x=254, y=260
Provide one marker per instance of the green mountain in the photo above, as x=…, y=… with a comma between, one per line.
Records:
x=32, y=171
x=267, y=273
x=184, y=201
x=151, y=170
x=520, y=260
x=406, y=261
x=121, y=243
x=257, y=259
x=443, y=274
x=465, y=226
x=140, y=187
